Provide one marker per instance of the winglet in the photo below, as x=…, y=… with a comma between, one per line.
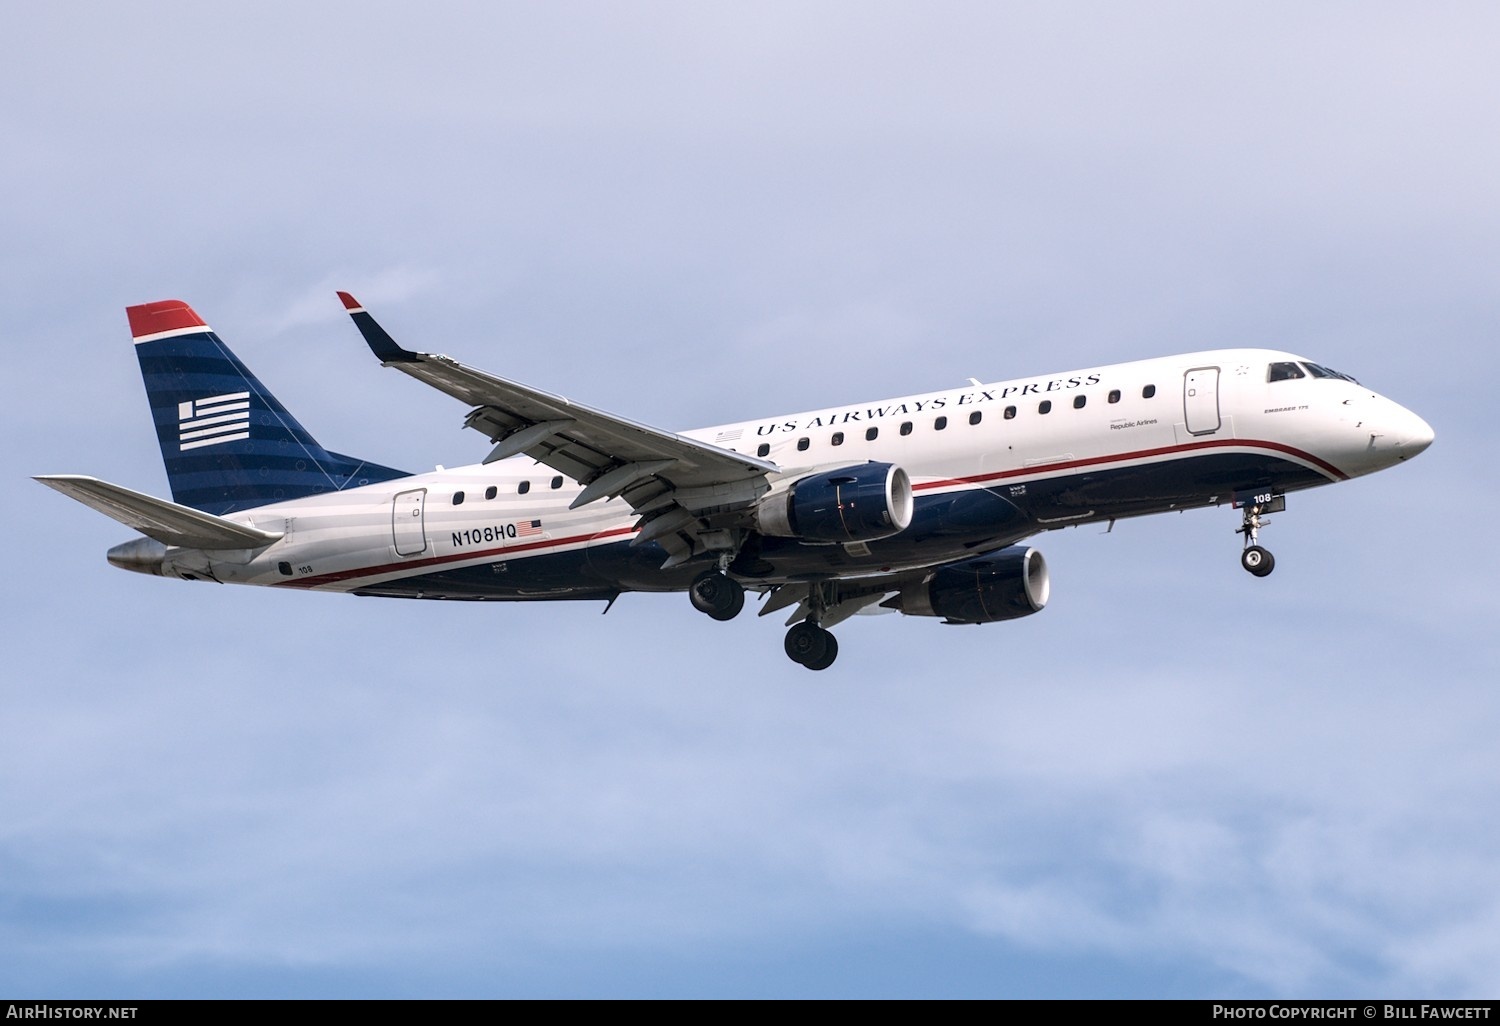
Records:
x=151, y=321
x=380, y=343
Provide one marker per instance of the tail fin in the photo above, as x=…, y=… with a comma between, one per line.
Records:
x=226, y=441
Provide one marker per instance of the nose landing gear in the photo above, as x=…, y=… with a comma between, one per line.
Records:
x=1255, y=558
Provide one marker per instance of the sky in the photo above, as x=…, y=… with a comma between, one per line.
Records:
x=1177, y=780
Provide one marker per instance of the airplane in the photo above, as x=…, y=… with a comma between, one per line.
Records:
x=918, y=504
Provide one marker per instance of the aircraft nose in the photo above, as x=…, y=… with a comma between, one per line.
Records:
x=1415, y=435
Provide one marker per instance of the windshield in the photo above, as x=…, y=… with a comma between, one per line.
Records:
x=1319, y=371
x=1288, y=371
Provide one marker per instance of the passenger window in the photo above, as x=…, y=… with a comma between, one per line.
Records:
x=1114, y=395
x=763, y=450
x=523, y=487
x=1148, y=391
x=1010, y=413
x=976, y=416
x=1285, y=371
x=802, y=444
x=491, y=492
x=1079, y=401
x=557, y=482
x=1045, y=406
x=870, y=434
x=458, y=498
x=906, y=427
x=939, y=423
x=838, y=438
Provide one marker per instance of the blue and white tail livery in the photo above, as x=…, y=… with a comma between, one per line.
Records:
x=227, y=443
x=919, y=504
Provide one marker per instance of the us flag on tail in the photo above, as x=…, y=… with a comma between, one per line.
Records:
x=215, y=419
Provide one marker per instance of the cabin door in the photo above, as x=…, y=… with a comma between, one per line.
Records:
x=407, y=528
x=1200, y=400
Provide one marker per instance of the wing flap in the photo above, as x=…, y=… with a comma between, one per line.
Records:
x=654, y=471
x=578, y=440
x=167, y=522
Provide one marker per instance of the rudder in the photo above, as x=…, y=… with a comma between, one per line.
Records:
x=227, y=443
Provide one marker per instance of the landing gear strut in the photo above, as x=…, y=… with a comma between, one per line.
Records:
x=717, y=594
x=809, y=643
x=1255, y=558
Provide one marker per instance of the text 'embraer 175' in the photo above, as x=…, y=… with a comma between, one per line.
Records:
x=918, y=504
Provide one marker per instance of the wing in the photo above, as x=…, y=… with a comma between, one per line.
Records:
x=165, y=521
x=692, y=497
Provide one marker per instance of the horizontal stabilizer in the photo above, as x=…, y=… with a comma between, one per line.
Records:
x=165, y=521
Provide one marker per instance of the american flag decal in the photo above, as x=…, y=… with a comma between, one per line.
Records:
x=527, y=528
x=215, y=419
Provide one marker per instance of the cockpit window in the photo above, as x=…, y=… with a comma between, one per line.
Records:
x=1319, y=371
x=1284, y=372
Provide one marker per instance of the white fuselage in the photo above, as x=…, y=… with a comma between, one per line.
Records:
x=1121, y=440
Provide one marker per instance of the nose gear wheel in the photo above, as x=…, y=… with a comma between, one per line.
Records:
x=1257, y=560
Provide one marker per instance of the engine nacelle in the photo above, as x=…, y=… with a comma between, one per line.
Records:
x=1004, y=585
x=851, y=504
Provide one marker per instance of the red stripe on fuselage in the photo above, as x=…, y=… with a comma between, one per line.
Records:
x=1047, y=469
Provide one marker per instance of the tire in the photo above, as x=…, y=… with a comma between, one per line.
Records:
x=807, y=643
x=1258, y=561
x=830, y=653
x=735, y=604
x=719, y=596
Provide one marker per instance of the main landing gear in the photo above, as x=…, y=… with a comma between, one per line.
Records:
x=1256, y=559
x=808, y=643
x=811, y=645
x=717, y=594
